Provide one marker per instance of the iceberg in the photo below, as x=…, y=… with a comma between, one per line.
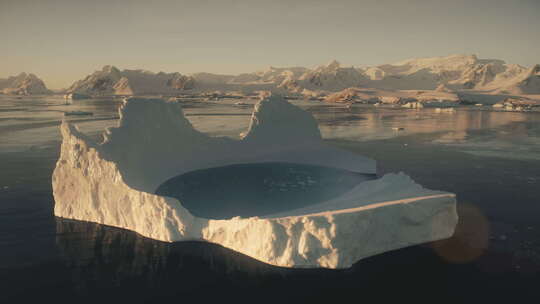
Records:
x=76, y=96
x=119, y=182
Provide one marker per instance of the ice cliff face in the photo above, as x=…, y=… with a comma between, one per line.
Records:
x=113, y=183
x=23, y=84
x=274, y=120
x=112, y=81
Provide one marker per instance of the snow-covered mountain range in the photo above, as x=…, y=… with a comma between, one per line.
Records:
x=111, y=81
x=450, y=74
x=23, y=84
x=457, y=72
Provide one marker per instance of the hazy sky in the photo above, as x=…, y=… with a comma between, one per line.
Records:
x=64, y=40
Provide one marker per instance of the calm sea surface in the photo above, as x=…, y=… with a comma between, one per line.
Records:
x=490, y=159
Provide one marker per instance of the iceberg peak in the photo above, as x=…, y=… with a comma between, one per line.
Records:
x=276, y=120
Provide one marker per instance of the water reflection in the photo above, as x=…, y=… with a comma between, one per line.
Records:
x=119, y=266
x=101, y=256
x=32, y=121
x=370, y=123
x=104, y=260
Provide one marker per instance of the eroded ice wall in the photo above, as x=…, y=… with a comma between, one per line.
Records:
x=154, y=142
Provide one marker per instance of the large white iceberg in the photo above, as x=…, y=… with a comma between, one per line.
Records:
x=114, y=183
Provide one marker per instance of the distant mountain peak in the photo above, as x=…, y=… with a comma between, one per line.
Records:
x=110, y=69
x=334, y=64
x=112, y=81
x=449, y=62
x=23, y=84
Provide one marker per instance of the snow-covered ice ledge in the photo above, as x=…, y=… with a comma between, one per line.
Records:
x=113, y=182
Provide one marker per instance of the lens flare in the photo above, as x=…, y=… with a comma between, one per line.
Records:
x=471, y=238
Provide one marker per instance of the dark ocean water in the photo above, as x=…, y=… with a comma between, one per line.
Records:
x=489, y=160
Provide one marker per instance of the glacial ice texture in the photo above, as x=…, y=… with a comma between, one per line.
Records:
x=114, y=183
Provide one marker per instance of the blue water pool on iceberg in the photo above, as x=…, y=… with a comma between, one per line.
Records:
x=258, y=189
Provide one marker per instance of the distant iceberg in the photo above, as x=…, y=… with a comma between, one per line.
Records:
x=76, y=96
x=114, y=183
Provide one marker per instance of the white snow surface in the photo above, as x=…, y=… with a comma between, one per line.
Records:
x=113, y=182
